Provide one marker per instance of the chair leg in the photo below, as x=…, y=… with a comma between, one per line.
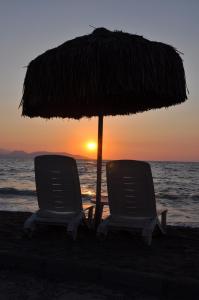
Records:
x=90, y=214
x=102, y=229
x=73, y=225
x=147, y=238
x=164, y=220
x=30, y=225
x=72, y=232
x=147, y=231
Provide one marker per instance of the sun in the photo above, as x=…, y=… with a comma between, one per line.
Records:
x=91, y=146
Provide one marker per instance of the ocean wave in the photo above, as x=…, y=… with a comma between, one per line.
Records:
x=167, y=196
x=195, y=197
x=15, y=192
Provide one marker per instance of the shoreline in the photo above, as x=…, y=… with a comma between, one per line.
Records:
x=31, y=156
x=170, y=263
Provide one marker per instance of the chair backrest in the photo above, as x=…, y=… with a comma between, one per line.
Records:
x=57, y=183
x=130, y=189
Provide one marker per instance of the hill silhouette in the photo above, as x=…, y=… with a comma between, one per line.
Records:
x=22, y=154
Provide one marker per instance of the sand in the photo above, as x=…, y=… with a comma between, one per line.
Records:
x=121, y=267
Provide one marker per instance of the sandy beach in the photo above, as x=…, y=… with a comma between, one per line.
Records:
x=121, y=267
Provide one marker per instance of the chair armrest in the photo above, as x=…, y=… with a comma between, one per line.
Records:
x=90, y=208
x=161, y=211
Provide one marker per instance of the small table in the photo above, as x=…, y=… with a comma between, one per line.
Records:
x=104, y=201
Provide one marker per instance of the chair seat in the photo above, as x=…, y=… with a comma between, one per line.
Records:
x=137, y=222
x=55, y=214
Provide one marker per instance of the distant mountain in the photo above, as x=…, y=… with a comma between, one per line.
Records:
x=22, y=154
x=4, y=151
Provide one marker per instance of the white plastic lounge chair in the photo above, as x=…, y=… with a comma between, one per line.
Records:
x=131, y=199
x=59, y=195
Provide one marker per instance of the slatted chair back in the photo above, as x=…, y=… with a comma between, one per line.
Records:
x=130, y=189
x=57, y=183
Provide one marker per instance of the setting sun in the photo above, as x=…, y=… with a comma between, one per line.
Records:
x=91, y=146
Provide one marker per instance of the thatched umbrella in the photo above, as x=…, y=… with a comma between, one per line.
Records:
x=100, y=74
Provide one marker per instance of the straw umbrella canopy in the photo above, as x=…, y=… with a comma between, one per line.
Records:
x=100, y=74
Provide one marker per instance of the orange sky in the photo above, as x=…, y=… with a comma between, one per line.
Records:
x=164, y=134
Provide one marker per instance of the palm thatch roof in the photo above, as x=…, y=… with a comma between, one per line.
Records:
x=105, y=73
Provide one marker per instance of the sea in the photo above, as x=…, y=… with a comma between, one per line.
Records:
x=176, y=187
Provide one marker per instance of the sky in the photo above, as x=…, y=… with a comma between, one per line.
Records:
x=28, y=28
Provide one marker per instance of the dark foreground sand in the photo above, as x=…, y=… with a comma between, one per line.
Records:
x=51, y=266
x=21, y=286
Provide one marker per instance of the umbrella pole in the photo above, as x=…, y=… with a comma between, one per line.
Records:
x=98, y=209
